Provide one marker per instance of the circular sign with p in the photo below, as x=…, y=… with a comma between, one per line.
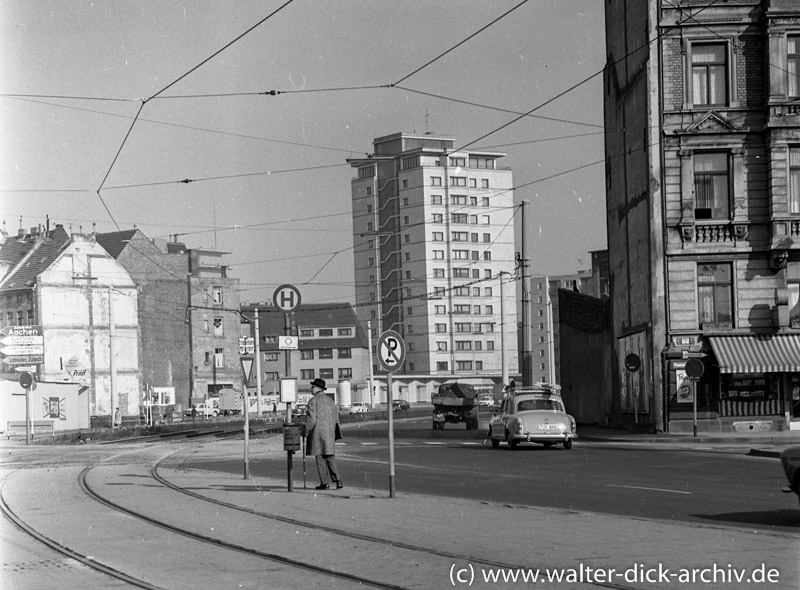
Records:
x=391, y=351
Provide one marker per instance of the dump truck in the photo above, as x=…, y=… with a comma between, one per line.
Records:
x=454, y=402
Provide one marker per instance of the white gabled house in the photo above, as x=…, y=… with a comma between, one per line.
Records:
x=86, y=304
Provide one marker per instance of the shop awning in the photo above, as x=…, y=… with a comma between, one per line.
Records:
x=778, y=353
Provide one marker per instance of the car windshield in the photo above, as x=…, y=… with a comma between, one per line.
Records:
x=538, y=404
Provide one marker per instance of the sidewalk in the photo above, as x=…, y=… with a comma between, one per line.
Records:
x=765, y=444
x=518, y=540
x=433, y=541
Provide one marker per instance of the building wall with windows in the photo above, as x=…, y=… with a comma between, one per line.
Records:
x=85, y=303
x=214, y=322
x=332, y=345
x=432, y=233
x=703, y=199
x=164, y=349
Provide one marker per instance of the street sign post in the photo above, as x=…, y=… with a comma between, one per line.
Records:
x=694, y=370
x=391, y=356
x=26, y=380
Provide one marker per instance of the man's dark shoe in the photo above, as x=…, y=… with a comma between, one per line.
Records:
x=339, y=485
x=322, y=486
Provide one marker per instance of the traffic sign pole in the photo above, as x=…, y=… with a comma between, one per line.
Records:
x=390, y=410
x=391, y=355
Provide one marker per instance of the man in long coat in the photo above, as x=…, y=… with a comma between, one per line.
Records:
x=323, y=416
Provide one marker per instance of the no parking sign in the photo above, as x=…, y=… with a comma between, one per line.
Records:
x=391, y=351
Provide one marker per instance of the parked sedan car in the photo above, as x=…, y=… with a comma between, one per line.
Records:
x=534, y=415
x=790, y=458
x=299, y=410
x=358, y=408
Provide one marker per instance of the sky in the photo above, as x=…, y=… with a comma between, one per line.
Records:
x=107, y=108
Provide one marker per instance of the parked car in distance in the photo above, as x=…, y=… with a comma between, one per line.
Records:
x=400, y=405
x=486, y=400
x=790, y=458
x=299, y=410
x=534, y=415
x=358, y=408
x=203, y=410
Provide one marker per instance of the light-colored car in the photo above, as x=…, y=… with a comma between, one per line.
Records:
x=203, y=410
x=790, y=458
x=486, y=400
x=358, y=408
x=533, y=415
x=299, y=410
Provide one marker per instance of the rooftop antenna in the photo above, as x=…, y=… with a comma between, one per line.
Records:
x=427, y=130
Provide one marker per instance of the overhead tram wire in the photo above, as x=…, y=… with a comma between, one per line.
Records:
x=582, y=82
x=144, y=101
x=460, y=43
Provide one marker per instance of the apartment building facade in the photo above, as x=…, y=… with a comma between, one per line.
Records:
x=702, y=109
x=434, y=254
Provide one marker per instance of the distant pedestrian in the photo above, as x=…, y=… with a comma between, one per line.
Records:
x=117, y=418
x=274, y=408
x=321, y=425
x=194, y=412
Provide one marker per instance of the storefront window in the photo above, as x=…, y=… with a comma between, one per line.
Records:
x=750, y=394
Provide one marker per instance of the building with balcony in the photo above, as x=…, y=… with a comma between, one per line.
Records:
x=433, y=235
x=702, y=111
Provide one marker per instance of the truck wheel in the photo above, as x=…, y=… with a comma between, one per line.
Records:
x=215, y=413
x=568, y=443
x=512, y=444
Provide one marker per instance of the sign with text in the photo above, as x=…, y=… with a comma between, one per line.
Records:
x=22, y=345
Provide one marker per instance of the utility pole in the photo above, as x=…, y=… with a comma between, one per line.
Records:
x=524, y=259
x=369, y=356
x=503, y=328
x=112, y=364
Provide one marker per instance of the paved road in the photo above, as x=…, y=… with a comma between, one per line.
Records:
x=671, y=482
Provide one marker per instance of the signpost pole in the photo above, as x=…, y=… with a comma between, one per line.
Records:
x=28, y=422
x=391, y=355
x=390, y=411
x=694, y=370
x=246, y=403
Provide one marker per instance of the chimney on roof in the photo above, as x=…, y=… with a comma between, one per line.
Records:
x=20, y=233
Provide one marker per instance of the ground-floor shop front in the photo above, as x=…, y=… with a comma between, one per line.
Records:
x=748, y=383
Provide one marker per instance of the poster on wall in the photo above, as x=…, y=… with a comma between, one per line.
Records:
x=684, y=392
x=633, y=392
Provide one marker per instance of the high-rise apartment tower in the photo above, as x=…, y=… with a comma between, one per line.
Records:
x=433, y=236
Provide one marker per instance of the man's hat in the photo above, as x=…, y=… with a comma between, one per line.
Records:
x=319, y=383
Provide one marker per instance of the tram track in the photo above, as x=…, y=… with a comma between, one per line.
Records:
x=155, y=468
